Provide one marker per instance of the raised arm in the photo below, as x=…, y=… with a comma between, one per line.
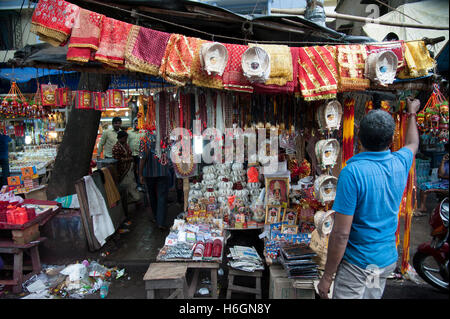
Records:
x=412, y=135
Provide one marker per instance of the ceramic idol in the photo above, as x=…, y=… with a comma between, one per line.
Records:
x=325, y=188
x=327, y=152
x=329, y=115
x=381, y=67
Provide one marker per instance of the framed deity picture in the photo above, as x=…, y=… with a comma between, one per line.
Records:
x=273, y=214
x=290, y=216
x=289, y=229
x=277, y=190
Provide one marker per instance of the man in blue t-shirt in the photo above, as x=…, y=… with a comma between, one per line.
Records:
x=361, y=248
x=4, y=158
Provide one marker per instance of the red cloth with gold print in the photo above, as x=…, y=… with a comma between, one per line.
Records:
x=317, y=72
x=52, y=20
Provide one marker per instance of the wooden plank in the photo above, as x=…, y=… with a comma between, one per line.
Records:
x=244, y=289
x=235, y=272
x=193, y=285
x=156, y=284
x=12, y=244
x=165, y=271
x=85, y=216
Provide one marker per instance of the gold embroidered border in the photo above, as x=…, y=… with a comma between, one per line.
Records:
x=90, y=46
x=77, y=59
x=57, y=35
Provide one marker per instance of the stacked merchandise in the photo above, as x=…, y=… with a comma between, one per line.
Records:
x=297, y=261
x=199, y=240
x=245, y=259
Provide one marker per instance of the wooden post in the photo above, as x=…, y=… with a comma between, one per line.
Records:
x=186, y=192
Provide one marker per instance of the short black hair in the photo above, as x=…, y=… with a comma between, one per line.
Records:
x=122, y=134
x=376, y=130
x=116, y=119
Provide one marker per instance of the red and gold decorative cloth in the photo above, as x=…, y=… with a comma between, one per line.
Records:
x=348, y=130
x=85, y=36
x=145, y=50
x=351, y=61
x=317, y=72
x=233, y=77
x=113, y=40
x=52, y=21
x=200, y=77
x=176, y=66
x=289, y=87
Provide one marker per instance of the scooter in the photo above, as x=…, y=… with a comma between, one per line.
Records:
x=431, y=259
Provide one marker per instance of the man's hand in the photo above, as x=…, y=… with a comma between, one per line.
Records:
x=445, y=158
x=412, y=106
x=324, y=286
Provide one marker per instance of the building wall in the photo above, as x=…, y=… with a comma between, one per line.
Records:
x=362, y=8
x=26, y=38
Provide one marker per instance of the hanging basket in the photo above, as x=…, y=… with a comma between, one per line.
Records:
x=115, y=98
x=84, y=100
x=49, y=94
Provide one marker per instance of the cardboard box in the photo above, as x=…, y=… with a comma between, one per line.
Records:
x=26, y=235
x=281, y=287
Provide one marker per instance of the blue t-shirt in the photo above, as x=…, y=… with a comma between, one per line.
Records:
x=4, y=141
x=370, y=188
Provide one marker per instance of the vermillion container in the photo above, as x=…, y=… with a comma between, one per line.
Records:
x=10, y=216
x=31, y=213
x=21, y=216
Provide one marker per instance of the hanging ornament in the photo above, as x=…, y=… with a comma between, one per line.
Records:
x=48, y=94
x=99, y=101
x=84, y=100
x=329, y=115
x=115, y=98
x=12, y=102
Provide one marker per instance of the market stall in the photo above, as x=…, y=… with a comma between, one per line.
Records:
x=257, y=132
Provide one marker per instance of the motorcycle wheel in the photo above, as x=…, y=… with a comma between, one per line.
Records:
x=427, y=273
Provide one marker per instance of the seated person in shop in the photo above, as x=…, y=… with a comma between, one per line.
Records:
x=122, y=153
x=109, y=139
x=362, y=250
x=439, y=186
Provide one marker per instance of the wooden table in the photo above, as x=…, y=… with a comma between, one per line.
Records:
x=177, y=265
x=9, y=246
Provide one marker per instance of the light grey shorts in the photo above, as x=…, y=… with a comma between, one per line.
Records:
x=353, y=282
